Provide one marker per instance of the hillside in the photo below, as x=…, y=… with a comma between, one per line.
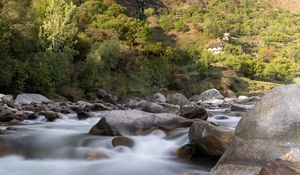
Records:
x=292, y=5
x=69, y=48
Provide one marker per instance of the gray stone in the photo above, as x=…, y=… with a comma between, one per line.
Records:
x=193, y=112
x=212, y=140
x=267, y=132
x=8, y=100
x=135, y=122
x=122, y=141
x=211, y=94
x=157, y=98
x=31, y=98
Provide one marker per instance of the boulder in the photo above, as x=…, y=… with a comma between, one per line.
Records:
x=7, y=116
x=99, y=107
x=157, y=98
x=149, y=107
x=178, y=99
x=187, y=151
x=211, y=94
x=31, y=98
x=122, y=141
x=241, y=108
x=210, y=139
x=170, y=108
x=135, y=122
x=193, y=112
x=8, y=100
x=281, y=167
x=51, y=116
x=267, y=132
x=82, y=115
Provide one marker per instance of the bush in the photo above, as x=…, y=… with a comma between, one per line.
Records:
x=280, y=69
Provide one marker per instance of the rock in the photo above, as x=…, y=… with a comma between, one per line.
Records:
x=84, y=103
x=135, y=122
x=170, y=108
x=41, y=107
x=51, y=116
x=211, y=94
x=99, y=107
x=193, y=112
x=210, y=139
x=229, y=93
x=241, y=108
x=8, y=100
x=281, y=167
x=95, y=156
x=157, y=98
x=122, y=141
x=6, y=148
x=31, y=98
x=267, y=132
x=178, y=99
x=187, y=151
x=82, y=115
x=32, y=116
x=224, y=121
x=105, y=96
x=149, y=107
x=7, y=116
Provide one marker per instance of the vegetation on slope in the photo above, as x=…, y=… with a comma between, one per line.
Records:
x=71, y=47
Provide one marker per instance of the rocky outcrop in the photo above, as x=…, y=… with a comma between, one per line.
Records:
x=210, y=139
x=135, y=122
x=267, y=132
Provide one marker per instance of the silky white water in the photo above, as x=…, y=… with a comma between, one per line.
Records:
x=59, y=148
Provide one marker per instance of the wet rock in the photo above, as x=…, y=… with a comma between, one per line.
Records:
x=211, y=94
x=281, y=167
x=82, y=115
x=51, y=116
x=178, y=99
x=99, y=107
x=210, y=139
x=6, y=148
x=267, y=132
x=8, y=100
x=157, y=98
x=7, y=116
x=31, y=98
x=193, y=112
x=135, y=122
x=41, y=107
x=95, y=156
x=187, y=151
x=32, y=116
x=122, y=141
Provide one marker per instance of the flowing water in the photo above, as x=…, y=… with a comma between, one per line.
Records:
x=61, y=148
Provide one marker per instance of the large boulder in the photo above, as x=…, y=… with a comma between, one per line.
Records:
x=210, y=139
x=135, y=122
x=211, y=94
x=267, y=132
x=31, y=98
x=193, y=112
x=178, y=99
x=8, y=100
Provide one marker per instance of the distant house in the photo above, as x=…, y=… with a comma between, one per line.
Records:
x=216, y=48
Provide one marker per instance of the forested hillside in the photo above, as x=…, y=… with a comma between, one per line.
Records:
x=70, y=47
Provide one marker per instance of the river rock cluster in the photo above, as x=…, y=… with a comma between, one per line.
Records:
x=266, y=140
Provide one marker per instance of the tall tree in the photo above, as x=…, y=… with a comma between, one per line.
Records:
x=59, y=27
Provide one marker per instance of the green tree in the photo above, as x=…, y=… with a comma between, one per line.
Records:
x=59, y=27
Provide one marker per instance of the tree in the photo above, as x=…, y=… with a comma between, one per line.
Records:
x=59, y=26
